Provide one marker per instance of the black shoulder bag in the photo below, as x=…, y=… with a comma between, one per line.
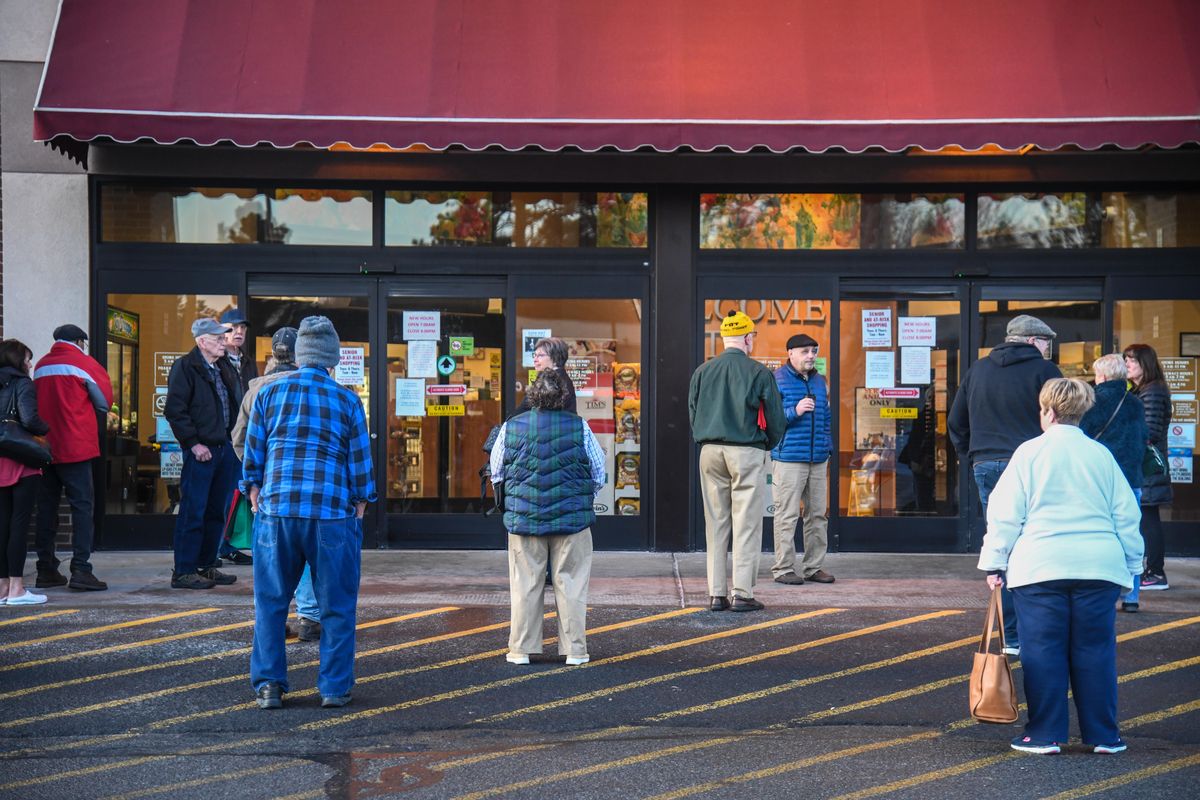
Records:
x=18, y=443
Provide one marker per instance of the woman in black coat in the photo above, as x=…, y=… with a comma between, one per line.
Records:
x=1141, y=362
x=18, y=483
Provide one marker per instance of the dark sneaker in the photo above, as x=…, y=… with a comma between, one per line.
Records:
x=718, y=604
x=1027, y=745
x=820, y=576
x=237, y=558
x=86, y=582
x=790, y=578
x=746, y=604
x=190, y=580
x=335, y=701
x=1154, y=583
x=218, y=577
x=270, y=695
x=1129, y=608
x=1110, y=749
x=309, y=630
x=48, y=579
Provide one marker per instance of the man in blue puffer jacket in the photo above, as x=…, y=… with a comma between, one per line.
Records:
x=800, y=468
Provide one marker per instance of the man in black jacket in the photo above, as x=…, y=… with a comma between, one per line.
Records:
x=203, y=394
x=996, y=410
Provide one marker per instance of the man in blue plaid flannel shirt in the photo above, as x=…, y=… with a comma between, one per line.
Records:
x=307, y=473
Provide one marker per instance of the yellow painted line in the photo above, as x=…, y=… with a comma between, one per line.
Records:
x=530, y=676
x=117, y=626
x=710, y=668
x=887, y=698
x=209, y=779
x=312, y=794
x=1129, y=777
x=1168, y=667
x=138, y=698
x=111, y=737
x=129, y=762
x=1166, y=626
x=29, y=617
x=1166, y=713
x=791, y=766
x=929, y=777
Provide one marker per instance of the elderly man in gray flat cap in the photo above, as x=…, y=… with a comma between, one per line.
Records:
x=996, y=410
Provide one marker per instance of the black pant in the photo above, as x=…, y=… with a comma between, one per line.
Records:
x=76, y=478
x=1152, y=535
x=16, y=506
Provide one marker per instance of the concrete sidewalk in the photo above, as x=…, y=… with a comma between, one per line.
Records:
x=480, y=578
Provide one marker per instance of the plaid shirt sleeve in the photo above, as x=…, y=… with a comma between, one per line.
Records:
x=595, y=455
x=254, y=457
x=362, y=482
x=496, y=461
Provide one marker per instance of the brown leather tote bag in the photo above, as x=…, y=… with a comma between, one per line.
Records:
x=993, y=696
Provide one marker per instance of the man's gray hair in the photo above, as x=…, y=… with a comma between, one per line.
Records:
x=556, y=350
x=549, y=391
x=1111, y=366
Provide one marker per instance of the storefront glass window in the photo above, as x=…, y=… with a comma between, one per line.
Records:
x=320, y=216
x=1136, y=219
x=145, y=333
x=1172, y=328
x=1077, y=323
x=898, y=373
x=210, y=215
x=421, y=219
x=604, y=339
x=1038, y=220
x=780, y=221
x=912, y=221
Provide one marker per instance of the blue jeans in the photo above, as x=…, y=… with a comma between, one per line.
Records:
x=1068, y=640
x=306, y=598
x=987, y=473
x=205, y=489
x=282, y=546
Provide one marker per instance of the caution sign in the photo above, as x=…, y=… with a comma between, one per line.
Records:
x=446, y=411
x=898, y=413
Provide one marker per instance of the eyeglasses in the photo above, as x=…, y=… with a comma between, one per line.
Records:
x=539, y=354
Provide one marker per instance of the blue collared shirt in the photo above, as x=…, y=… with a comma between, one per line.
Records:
x=308, y=448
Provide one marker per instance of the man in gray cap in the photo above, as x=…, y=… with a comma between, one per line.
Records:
x=203, y=393
x=996, y=410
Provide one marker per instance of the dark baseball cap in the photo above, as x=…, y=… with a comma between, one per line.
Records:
x=234, y=316
x=69, y=333
x=283, y=344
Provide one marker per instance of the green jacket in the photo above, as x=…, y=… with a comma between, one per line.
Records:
x=724, y=399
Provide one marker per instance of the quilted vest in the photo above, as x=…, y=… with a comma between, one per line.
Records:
x=547, y=475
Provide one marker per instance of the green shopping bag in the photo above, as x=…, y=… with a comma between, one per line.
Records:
x=239, y=523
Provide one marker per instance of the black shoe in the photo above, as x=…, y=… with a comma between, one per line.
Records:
x=335, y=701
x=1129, y=608
x=48, y=579
x=217, y=577
x=86, y=582
x=790, y=578
x=238, y=559
x=190, y=580
x=270, y=695
x=288, y=631
x=310, y=630
x=746, y=604
x=718, y=603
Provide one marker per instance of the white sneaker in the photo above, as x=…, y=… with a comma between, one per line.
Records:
x=575, y=661
x=519, y=659
x=27, y=599
x=1012, y=651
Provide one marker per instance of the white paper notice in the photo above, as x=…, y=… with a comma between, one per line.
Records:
x=349, y=370
x=881, y=370
x=917, y=332
x=422, y=325
x=422, y=359
x=877, y=328
x=914, y=364
x=410, y=397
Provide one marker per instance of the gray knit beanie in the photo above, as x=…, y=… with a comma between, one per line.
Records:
x=317, y=343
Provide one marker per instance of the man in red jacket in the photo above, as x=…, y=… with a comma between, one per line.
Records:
x=72, y=390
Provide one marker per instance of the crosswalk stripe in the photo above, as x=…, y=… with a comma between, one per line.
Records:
x=208, y=780
x=31, y=617
x=104, y=628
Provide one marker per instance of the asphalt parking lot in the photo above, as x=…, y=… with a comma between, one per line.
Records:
x=104, y=696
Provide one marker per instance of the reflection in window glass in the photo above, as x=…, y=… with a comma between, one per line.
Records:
x=1038, y=220
x=604, y=339
x=1133, y=219
x=210, y=215
x=621, y=219
x=543, y=219
x=901, y=222
x=422, y=219
x=321, y=216
x=1172, y=328
x=780, y=221
x=1077, y=323
x=145, y=334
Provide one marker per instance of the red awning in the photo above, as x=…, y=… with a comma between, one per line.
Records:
x=626, y=74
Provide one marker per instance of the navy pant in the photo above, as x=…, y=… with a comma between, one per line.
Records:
x=1069, y=640
x=76, y=479
x=333, y=548
x=205, y=490
x=987, y=473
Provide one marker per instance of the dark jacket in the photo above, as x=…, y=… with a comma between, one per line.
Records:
x=996, y=408
x=807, y=438
x=193, y=408
x=1126, y=435
x=14, y=382
x=568, y=401
x=724, y=398
x=548, y=487
x=247, y=373
x=1156, y=400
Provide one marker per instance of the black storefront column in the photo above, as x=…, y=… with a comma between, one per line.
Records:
x=674, y=224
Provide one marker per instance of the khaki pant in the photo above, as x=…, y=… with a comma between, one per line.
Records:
x=796, y=484
x=571, y=568
x=731, y=481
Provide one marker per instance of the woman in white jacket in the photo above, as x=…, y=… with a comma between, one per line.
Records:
x=1063, y=525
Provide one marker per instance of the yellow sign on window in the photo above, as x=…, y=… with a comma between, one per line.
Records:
x=898, y=413
x=445, y=411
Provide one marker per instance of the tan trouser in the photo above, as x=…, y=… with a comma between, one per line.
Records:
x=731, y=481
x=797, y=483
x=571, y=569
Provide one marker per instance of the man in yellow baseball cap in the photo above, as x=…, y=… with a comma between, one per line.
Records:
x=728, y=397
